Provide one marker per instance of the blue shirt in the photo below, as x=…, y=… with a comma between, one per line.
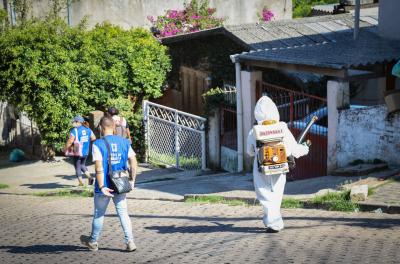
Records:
x=119, y=147
x=83, y=134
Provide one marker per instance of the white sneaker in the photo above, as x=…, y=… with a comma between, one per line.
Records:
x=130, y=246
x=85, y=240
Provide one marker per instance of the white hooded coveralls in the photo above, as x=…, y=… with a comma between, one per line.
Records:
x=269, y=188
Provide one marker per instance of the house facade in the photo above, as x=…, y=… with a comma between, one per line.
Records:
x=361, y=132
x=281, y=83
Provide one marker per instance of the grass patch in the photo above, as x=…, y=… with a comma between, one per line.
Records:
x=4, y=186
x=336, y=201
x=371, y=190
x=184, y=162
x=291, y=203
x=84, y=192
x=212, y=199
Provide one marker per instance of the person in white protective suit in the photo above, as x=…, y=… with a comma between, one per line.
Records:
x=269, y=188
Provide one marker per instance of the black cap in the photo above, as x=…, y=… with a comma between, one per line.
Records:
x=112, y=110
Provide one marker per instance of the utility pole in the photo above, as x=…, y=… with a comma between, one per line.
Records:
x=357, y=20
x=69, y=13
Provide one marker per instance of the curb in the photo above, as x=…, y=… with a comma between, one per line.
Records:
x=385, y=208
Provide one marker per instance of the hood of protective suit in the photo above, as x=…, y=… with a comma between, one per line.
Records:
x=266, y=110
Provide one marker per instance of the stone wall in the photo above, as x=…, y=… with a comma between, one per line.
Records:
x=133, y=13
x=367, y=134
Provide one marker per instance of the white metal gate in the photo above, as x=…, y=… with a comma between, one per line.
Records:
x=174, y=137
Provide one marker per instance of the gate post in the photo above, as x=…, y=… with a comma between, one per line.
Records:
x=203, y=150
x=177, y=147
x=145, y=109
x=338, y=95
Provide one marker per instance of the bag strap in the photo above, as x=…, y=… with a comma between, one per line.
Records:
x=109, y=156
x=77, y=135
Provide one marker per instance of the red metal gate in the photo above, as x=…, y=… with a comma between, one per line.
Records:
x=296, y=109
x=228, y=127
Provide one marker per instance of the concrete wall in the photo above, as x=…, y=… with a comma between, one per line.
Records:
x=213, y=141
x=368, y=134
x=133, y=13
x=389, y=19
x=249, y=79
x=338, y=98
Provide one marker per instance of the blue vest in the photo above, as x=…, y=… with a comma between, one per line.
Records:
x=83, y=136
x=119, y=147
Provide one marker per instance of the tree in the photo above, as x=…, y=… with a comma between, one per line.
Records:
x=39, y=75
x=121, y=64
x=53, y=72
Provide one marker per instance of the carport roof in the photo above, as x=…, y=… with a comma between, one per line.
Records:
x=368, y=49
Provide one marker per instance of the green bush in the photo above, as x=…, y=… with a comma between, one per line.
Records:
x=302, y=8
x=3, y=21
x=40, y=65
x=214, y=99
x=54, y=72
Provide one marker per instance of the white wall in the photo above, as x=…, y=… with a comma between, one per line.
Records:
x=389, y=18
x=133, y=13
x=338, y=98
x=367, y=134
x=249, y=79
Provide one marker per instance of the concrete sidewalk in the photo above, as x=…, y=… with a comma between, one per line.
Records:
x=173, y=185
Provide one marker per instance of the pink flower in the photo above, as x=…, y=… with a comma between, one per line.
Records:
x=150, y=18
x=267, y=15
x=195, y=17
x=172, y=14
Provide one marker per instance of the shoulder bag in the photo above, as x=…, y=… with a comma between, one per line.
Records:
x=76, y=149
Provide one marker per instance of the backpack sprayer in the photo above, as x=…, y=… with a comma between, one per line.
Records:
x=271, y=151
x=291, y=160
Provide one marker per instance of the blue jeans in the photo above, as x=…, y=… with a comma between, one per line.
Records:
x=100, y=206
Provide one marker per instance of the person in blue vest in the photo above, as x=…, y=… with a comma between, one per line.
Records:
x=84, y=135
x=121, y=153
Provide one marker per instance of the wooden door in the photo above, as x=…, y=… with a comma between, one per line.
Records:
x=193, y=85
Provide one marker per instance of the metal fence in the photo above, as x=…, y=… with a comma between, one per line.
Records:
x=17, y=131
x=229, y=94
x=228, y=126
x=174, y=137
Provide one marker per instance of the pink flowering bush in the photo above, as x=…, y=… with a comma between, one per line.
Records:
x=266, y=15
x=196, y=16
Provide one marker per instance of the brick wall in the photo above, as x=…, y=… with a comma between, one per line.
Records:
x=367, y=134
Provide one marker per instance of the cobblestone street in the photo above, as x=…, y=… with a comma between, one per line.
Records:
x=47, y=230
